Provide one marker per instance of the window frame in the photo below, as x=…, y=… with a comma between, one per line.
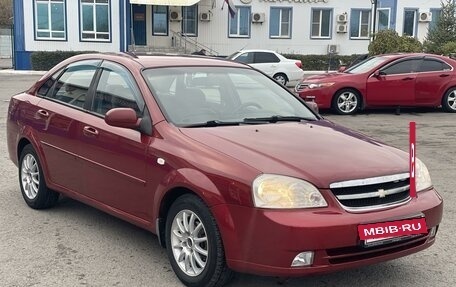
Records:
x=435, y=18
x=400, y=61
x=167, y=22
x=238, y=16
x=415, y=22
x=320, y=10
x=359, y=14
x=280, y=22
x=184, y=20
x=36, y=30
x=378, y=18
x=432, y=59
x=95, y=32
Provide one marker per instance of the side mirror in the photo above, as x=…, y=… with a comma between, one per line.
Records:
x=342, y=69
x=377, y=74
x=122, y=118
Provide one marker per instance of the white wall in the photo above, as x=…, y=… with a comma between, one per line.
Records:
x=72, y=43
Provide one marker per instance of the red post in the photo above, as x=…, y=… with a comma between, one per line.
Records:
x=412, y=152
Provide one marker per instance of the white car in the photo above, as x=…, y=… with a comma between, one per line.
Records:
x=283, y=70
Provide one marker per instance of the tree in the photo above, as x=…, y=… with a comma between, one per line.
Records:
x=389, y=41
x=6, y=12
x=444, y=31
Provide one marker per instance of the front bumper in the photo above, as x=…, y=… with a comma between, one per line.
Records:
x=322, y=97
x=265, y=242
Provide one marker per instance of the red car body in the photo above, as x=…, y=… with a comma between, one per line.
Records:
x=118, y=171
x=423, y=81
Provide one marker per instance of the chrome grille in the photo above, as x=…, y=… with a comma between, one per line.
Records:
x=372, y=193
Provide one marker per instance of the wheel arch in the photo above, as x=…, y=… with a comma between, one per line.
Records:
x=453, y=86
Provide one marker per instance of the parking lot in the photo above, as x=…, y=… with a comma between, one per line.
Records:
x=76, y=245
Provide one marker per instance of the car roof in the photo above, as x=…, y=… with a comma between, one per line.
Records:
x=161, y=60
x=258, y=50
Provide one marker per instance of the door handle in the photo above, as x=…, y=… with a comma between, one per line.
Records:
x=407, y=79
x=443, y=75
x=90, y=131
x=42, y=113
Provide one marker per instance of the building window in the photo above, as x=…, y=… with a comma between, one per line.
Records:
x=280, y=23
x=50, y=21
x=383, y=16
x=160, y=20
x=321, y=23
x=360, y=24
x=435, y=17
x=240, y=24
x=95, y=20
x=409, y=23
x=190, y=20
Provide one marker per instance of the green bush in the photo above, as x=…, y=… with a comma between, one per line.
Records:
x=322, y=62
x=43, y=61
x=389, y=41
x=449, y=48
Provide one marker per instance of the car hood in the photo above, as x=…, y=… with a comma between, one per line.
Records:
x=320, y=152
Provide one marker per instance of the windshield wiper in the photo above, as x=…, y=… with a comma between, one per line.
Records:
x=277, y=118
x=212, y=123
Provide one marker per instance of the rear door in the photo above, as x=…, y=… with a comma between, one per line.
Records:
x=395, y=85
x=433, y=77
x=266, y=62
x=114, y=159
x=59, y=112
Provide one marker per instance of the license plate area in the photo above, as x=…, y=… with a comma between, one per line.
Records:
x=375, y=234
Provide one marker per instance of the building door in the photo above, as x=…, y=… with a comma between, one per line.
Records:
x=139, y=24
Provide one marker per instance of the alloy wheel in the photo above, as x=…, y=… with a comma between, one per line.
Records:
x=30, y=176
x=347, y=102
x=189, y=243
x=451, y=100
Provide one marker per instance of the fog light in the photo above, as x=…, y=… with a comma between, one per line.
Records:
x=303, y=259
x=432, y=232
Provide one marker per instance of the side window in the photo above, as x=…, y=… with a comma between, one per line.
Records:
x=403, y=67
x=246, y=58
x=432, y=65
x=265, y=57
x=73, y=85
x=116, y=89
x=46, y=88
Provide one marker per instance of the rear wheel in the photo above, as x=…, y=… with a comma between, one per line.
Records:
x=346, y=102
x=281, y=78
x=31, y=179
x=194, y=244
x=449, y=101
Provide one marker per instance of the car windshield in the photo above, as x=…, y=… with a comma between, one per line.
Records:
x=230, y=57
x=367, y=65
x=210, y=96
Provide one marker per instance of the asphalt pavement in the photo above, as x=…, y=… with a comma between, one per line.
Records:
x=76, y=245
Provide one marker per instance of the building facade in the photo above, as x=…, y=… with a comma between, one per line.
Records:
x=286, y=26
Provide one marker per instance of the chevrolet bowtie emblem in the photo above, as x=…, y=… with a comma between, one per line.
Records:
x=381, y=193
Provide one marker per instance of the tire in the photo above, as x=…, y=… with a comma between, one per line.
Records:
x=197, y=259
x=346, y=102
x=31, y=180
x=281, y=78
x=449, y=101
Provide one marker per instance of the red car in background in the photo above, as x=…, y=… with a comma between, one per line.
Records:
x=395, y=80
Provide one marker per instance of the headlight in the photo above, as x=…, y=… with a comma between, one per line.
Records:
x=319, y=85
x=422, y=177
x=278, y=191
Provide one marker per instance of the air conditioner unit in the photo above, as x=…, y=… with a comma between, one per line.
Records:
x=175, y=14
x=342, y=18
x=425, y=17
x=333, y=49
x=205, y=16
x=258, y=17
x=341, y=28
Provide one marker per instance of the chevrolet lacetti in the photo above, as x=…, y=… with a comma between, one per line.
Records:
x=230, y=170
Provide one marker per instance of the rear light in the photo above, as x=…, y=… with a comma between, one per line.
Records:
x=299, y=64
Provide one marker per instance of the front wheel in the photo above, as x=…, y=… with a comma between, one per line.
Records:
x=449, y=101
x=31, y=179
x=194, y=245
x=346, y=102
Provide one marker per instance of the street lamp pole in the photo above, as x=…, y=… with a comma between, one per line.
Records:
x=374, y=2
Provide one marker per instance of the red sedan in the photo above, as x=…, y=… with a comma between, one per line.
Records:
x=226, y=166
x=396, y=80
